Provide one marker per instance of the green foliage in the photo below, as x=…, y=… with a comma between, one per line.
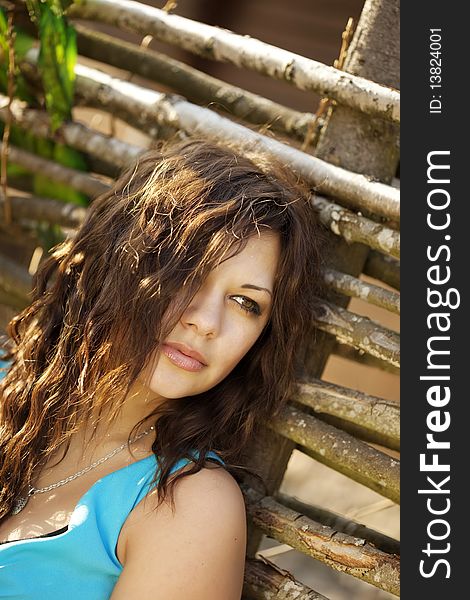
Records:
x=22, y=43
x=65, y=156
x=56, y=64
x=57, y=57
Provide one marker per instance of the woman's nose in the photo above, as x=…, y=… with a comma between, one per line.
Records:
x=203, y=314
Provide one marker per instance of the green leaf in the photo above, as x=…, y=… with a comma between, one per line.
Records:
x=22, y=44
x=23, y=139
x=3, y=25
x=56, y=62
x=14, y=170
x=34, y=8
x=70, y=59
x=64, y=155
x=69, y=157
x=4, y=51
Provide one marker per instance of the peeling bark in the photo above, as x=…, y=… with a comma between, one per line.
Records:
x=196, y=86
x=354, y=228
x=342, y=552
x=340, y=451
x=74, y=134
x=37, y=208
x=241, y=50
x=352, y=286
x=325, y=517
x=162, y=115
x=87, y=184
x=360, y=332
x=264, y=581
x=359, y=356
x=375, y=414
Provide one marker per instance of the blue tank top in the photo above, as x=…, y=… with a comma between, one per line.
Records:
x=81, y=562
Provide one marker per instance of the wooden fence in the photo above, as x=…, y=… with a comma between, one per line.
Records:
x=349, y=154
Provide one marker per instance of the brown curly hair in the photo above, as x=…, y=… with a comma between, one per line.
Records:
x=99, y=298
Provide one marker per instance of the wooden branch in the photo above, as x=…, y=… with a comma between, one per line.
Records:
x=145, y=109
x=340, y=523
x=161, y=115
x=223, y=45
x=265, y=581
x=91, y=186
x=351, y=555
x=196, y=86
x=369, y=436
x=37, y=208
x=160, y=111
x=76, y=135
x=355, y=228
x=361, y=357
x=340, y=451
x=360, y=332
x=370, y=412
x=352, y=286
x=383, y=267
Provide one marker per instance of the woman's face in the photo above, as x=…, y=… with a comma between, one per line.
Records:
x=222, y=322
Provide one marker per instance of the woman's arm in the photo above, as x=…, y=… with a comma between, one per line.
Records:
x=196, y=554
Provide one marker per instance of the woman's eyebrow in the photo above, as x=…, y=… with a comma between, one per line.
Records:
x=255, y=287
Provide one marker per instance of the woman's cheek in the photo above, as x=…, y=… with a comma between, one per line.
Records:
x=242, y=345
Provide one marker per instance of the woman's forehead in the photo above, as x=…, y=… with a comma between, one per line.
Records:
x=260, y=255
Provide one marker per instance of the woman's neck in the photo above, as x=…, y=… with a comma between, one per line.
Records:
x=97, y=437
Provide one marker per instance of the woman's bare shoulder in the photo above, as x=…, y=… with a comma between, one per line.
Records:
x=197, y=550
x=198, y=496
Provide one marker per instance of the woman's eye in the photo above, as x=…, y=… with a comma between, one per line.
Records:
x=247, y=304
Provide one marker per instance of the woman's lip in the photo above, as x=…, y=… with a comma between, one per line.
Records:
x=175, y=353
x=188, y=351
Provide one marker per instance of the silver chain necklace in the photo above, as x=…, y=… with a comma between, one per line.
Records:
x=22, y=501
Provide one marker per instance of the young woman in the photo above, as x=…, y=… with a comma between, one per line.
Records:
x=159, y=338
